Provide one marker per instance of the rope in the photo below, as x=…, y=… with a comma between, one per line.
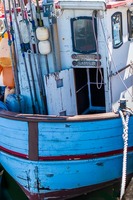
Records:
x=125, y=121
x=98, y=69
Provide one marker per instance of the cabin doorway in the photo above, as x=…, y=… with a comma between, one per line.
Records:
x=90, y=94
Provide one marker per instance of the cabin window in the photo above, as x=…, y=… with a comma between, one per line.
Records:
x=117, y=29
x=83, y=34
x=130, y=24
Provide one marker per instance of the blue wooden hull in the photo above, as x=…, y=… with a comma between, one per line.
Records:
x=65, y=155
x=62, y=157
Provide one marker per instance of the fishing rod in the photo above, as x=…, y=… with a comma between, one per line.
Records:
x=38, y=69
x=36, y=47
x=52, y=24
x=49, y=12
x=14, y=49
x=11, y=50
x=39, y=14
x=29, y=51
x=36, y=60
x=53, y=45
x=22, y=46
x=19, y=98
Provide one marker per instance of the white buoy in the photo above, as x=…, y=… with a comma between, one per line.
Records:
x=44, y=47
x=42, y=33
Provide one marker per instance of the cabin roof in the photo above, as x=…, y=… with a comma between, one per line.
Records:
x=93, y=4
x=82, y=4
x=113, y=4
x=105, y=1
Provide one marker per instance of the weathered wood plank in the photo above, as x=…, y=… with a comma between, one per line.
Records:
x=33, y=141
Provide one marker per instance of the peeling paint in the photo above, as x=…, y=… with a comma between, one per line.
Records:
x=49, y=175
x=37, y=184
x=67, y=125
x=99, y=164
x=28, y=179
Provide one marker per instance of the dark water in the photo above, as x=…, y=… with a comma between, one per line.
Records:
x=11, y=191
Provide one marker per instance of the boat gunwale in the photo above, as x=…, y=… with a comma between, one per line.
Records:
x=54, y=118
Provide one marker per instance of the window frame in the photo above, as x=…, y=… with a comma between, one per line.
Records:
x=72, y=28
x=130, y=29
x=115, y=46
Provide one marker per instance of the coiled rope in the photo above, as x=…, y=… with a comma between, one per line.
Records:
x=125, y=121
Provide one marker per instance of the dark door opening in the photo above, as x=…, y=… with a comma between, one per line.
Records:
x=90, y=92
x=81, y=83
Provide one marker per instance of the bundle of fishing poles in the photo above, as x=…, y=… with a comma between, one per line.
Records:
x=29, y=51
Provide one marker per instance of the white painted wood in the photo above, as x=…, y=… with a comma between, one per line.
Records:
x=63, y=98
x=121, y=84
x=122, y=87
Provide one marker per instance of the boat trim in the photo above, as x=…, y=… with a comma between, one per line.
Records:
x=65, y=194
x=65, y=157
x=33, y=140
x=116, y=4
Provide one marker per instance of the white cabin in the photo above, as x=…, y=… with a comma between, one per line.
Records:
x=89, y=76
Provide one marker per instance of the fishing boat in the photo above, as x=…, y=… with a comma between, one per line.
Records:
x=66, y=124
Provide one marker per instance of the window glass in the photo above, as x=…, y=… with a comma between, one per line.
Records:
x=83, y=34
x=117, y=29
